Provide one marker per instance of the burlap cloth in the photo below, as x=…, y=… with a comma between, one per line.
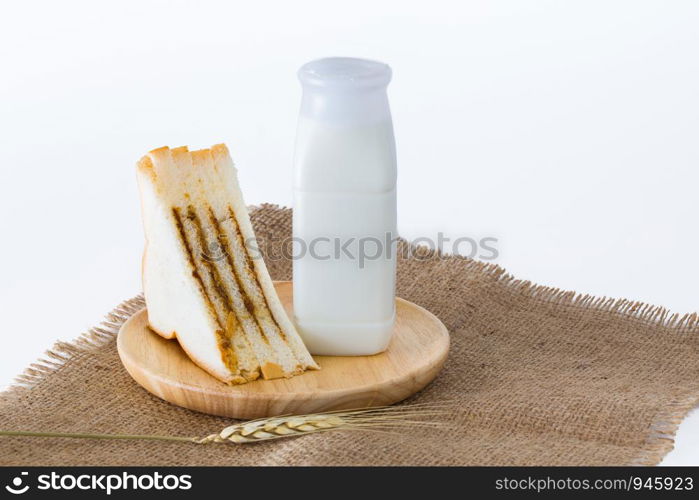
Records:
x=535, y=376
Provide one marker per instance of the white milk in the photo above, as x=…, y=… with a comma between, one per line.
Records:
x=344, y=209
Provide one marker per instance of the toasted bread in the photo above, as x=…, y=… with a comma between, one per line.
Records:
x=203, y=280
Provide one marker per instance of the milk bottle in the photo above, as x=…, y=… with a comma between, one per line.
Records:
x=344, y=220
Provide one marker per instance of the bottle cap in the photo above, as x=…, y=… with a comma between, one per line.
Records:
x=345, y=72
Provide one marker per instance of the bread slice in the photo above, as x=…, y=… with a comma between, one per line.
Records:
x=203, y=280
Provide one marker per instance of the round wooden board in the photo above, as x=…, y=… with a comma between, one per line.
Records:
x=415, y=355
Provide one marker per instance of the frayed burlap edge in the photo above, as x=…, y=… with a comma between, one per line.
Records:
x=659, y=441
x=62, y=353
x=661, y=437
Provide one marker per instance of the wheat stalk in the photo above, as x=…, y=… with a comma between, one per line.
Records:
x=382, y=419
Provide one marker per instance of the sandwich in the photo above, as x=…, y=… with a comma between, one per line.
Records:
x=204, y=282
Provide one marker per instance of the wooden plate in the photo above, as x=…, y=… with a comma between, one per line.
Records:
x=414, y=357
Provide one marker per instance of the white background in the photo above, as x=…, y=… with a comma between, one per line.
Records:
x=568, y=130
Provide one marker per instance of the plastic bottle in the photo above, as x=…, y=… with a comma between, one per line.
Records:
x=344, y=219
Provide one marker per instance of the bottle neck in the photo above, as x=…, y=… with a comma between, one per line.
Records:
x=345, y=106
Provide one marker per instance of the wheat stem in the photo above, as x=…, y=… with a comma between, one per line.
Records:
x=264, y=429
x=78, y=435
